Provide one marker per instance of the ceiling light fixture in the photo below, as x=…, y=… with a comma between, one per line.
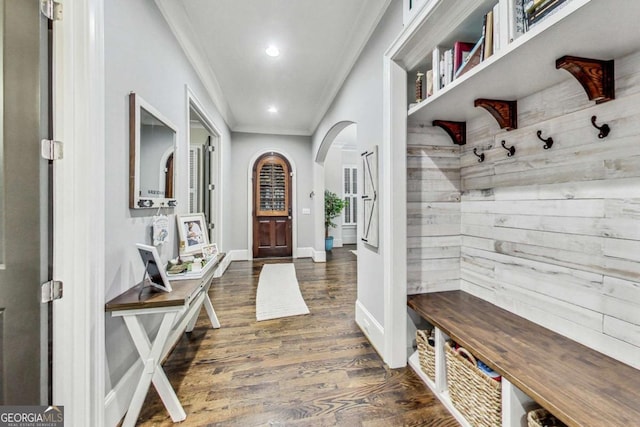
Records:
x=272, y=51
x=272, y=109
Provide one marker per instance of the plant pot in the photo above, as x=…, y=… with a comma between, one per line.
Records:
x=328, y=243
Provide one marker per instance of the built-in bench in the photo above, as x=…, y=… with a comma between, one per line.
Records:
x=577, y=384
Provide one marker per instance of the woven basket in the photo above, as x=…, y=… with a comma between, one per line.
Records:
x=542, y=418
x=472, y=392
x=426, y=354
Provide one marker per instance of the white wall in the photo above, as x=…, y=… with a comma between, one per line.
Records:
x=142, y=55
x=360, y=101
x=244, y=150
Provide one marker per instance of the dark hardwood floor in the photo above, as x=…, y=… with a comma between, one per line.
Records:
x=312, y=370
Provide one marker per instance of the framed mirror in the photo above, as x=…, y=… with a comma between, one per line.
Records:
x=152, y=148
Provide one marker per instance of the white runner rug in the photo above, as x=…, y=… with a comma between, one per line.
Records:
x=279, y=293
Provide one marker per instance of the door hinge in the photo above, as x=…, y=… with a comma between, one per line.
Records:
x=51, y=290
x=211, y=187
x=211, y=148
x=211, y=226
x=51, y=9
x=51, y=150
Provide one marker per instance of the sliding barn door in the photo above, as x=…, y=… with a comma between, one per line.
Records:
x=271, y=207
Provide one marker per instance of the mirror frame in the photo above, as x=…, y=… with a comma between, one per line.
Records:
x=136, y=103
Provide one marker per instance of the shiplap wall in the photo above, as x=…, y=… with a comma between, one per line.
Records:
x=554, y=235
x=433, y=211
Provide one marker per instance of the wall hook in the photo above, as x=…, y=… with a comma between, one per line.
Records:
x=479, y=156
x=548, y=142
x=511, y=150
x=604, y=129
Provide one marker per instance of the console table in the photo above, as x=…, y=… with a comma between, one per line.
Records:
x=179, y=309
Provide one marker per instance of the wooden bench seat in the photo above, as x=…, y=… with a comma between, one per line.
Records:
x=579, y=385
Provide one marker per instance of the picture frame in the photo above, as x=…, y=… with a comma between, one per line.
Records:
x=192, y=232
x=154, y=267
x=210, y=251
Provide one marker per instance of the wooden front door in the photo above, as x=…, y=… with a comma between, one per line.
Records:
x=271, y=207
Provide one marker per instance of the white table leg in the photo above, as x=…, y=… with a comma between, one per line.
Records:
x=213, y=318
x=151, y=354
x=211, y=312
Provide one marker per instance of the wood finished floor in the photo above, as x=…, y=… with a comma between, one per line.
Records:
x=312, y=370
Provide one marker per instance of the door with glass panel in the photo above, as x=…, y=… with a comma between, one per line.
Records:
x=25, y=204
x=272, y=207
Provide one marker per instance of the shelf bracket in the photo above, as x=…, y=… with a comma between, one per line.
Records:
x=505, y=112
x=457, y=131
x=596, y=76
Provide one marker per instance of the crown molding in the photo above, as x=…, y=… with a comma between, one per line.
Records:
x=178, y=21
x=334, y=85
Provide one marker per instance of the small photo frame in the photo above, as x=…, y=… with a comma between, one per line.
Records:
x=210, y=251
x=193, y=233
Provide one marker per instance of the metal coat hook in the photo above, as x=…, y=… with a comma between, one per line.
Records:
x=511, y=150
x=479, y=156
x=604, y=129
x=548, y=142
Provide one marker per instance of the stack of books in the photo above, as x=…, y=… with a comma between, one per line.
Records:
x=537, y=10
x=504, y=23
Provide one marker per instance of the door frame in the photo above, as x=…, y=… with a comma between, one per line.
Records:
x=294, y=203
x=216, y=136
x=79, y=212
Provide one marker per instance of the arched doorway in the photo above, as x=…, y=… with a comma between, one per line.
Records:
x=272, y=206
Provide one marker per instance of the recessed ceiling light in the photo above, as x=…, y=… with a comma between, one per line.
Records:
x=272, y=51
x=272, y=109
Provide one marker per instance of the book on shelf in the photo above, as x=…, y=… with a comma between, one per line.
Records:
x=543, y=11
x=488, y=35
x=435, y=64
x=461, y=52
x=516, y=19
x=473, y=58
x=448, y=67
x=429, y=86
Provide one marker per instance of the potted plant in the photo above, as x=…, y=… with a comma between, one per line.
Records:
x=333, y=206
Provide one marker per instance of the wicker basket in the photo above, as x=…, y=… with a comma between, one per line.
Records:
x=426, y=354
x=542, y=418
x=472, y=392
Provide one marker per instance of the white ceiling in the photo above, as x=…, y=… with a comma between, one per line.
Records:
x=319, y=41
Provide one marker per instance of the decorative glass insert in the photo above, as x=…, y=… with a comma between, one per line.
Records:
x=273, y=187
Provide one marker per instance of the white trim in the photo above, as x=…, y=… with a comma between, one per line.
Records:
x=210, y=126
x=79, y=213
x=238, y=255
x=222, y=267
x=394, y=212
x=370, y=327
x=307, y=252
x=294, y=201
x=116, y=402
x=319, y=256
x=333, y=87
x=179, y=23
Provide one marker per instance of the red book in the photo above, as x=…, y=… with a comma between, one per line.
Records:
x=460, y=52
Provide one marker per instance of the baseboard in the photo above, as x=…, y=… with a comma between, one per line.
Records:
x=238, y=255
x=319, y=256
x=116, y=402
x=304, y=253
x=222, y=267
x=371, y=328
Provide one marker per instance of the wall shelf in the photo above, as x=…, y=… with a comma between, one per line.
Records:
x=528, y=64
